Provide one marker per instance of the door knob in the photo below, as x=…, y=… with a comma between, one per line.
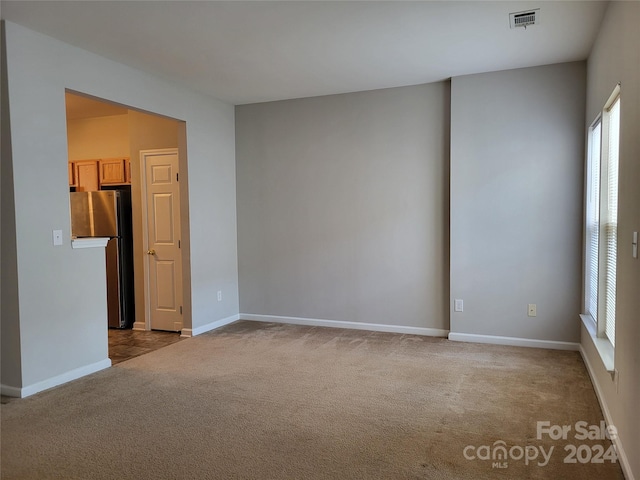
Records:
x=151, y=252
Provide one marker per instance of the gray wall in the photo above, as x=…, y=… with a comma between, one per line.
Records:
x=342, y=207
x=62, y=299
x=517, y=143
x=616, y=58
x=9, y=310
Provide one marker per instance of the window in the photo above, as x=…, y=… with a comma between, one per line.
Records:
x=602, y=220
x=592, y=221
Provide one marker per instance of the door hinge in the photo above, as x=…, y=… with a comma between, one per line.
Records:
x=177, y=177
x=178, y=243
x=180, y=309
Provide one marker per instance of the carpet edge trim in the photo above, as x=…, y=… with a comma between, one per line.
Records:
x=317, y=322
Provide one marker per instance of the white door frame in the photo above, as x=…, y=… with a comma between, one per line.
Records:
x=145, y=222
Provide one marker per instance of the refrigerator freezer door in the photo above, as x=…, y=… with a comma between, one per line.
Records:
x=94, y=214
x=104, y=208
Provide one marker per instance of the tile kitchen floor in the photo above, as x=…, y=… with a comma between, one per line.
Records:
x=126, y=344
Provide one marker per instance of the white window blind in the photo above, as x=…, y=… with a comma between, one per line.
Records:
x=611, y=221
x=593, y=222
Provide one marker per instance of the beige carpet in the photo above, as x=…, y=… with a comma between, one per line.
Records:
x=269, y=401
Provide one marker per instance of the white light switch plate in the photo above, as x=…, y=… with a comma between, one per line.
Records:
x=458, y=305
x=57, y=237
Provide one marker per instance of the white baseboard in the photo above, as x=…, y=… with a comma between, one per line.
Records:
x=139, y=326
x=55, y=381
x=513, y=341
x=192, y=332
x=10, y=391
x=622, y=456
x=315, y=322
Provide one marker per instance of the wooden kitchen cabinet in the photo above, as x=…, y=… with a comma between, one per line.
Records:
x=72, y=174
x=127, y=171
x=86, y=175
x=90, y=175
x=112, y=171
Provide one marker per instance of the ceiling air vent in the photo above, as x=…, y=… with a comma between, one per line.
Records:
x=524, y=19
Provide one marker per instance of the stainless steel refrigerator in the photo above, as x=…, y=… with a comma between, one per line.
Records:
x=107, y=213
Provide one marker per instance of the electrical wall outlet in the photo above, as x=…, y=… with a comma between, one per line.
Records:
x=532, y=310
x=219, y=295
x=458, y=305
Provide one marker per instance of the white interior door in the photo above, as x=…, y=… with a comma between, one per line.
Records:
x=164, y=260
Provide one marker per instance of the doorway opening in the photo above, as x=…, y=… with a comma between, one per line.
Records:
x=105, y=141
x=127, y=344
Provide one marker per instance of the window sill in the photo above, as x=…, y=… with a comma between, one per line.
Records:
x=603, y=345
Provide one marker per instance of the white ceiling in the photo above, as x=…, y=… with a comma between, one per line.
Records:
x=246, y=52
